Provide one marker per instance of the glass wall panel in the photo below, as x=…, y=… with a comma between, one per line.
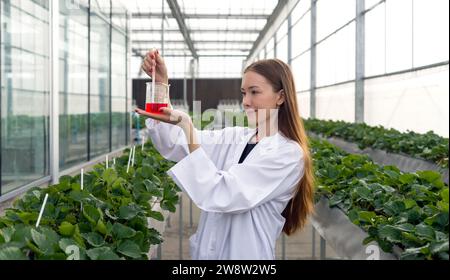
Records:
x=73, y=83
x=303, y=100
x=398, y=35
x=336, y=102
x=25, y=91
x=99, y=85
x=119, y=89
x=336, y=57
x=301, y=69
x=86, y=113
x=301, y=35
x=282, y=49
x=375, y=46
x=299, y=10
x=416, y=101
x=332, y=14
x=431, y=22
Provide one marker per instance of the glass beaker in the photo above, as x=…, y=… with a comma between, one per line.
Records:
x=158, y=99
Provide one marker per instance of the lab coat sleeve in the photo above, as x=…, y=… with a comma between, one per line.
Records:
x=168, y=139
x=242, y=187
x=171, y=142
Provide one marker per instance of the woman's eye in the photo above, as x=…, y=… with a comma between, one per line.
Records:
x=254, y=92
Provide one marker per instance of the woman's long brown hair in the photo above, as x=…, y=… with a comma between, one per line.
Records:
x=291, y=125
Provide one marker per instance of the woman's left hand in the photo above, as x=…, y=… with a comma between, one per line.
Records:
x=170, y=116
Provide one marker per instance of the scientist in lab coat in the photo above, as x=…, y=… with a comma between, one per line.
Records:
x=251, y=184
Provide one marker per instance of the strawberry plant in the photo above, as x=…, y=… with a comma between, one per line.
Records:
x=410, y=210
x=428, y=146
x=108, y=219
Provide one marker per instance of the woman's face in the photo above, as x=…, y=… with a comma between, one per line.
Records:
x=258, y=96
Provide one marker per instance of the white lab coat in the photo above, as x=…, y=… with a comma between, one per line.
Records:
x=241, y=203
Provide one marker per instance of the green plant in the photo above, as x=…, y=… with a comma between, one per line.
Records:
x=409, y=210
x=108, y=219
x=428, y=146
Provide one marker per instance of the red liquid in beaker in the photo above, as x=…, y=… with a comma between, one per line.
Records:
x=154, y=107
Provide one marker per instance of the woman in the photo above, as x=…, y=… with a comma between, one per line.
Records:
x=250, y=183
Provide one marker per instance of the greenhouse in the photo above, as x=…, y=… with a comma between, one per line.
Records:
x=224, y=130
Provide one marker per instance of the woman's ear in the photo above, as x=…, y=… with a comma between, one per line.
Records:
x=281, y=98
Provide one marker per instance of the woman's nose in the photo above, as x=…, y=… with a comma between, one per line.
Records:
x=246, y=102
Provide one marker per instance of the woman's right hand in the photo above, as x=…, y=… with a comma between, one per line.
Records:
x=153, y=59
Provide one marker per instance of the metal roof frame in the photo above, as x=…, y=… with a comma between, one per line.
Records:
x=194, y=46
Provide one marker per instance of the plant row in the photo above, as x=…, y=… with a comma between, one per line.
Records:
x=408, y=210
x=106, y=219
x=428, y=146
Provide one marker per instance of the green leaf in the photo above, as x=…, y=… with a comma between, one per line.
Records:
x=414, y=215
x=405, y=227
x=93, y=238
x=28, y=217
x=390, y=233
x=439, y=247
x=156, y=215
x=109, y=176
x=409, y=203
x=443, y=256
x=121, y=231
x=7, y=233
x=407, y=178
x=11, y=253
x=442, y=205
x=415, y=253
x=79, y=196
x=66, y=229
x=101, y=227
x=353, y=215
x=394, y=207
x=364, y=192
x=65, y=242
x=156, y=180
x=432, y=177
x=386, y=188
x=46, y=240
x=168, y=205
x=78, y=238
x=139, y=239
x=147, y=171
x=412, y=237
x=102, y=253
x=426, y=232
x=154, y=237
x=444, y=195
x=367, y=216
x=394, y=174
x=152, y=188
x=91, y=213
x=129, y=249
x=129, y=212
x=109, y=215
x=440, y=219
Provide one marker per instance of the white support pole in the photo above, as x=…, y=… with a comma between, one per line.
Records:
x=42, y=211
x=54, y=91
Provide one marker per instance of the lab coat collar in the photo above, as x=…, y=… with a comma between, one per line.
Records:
x=267, y=145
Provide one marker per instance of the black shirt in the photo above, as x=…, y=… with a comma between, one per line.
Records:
x=247, y=151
